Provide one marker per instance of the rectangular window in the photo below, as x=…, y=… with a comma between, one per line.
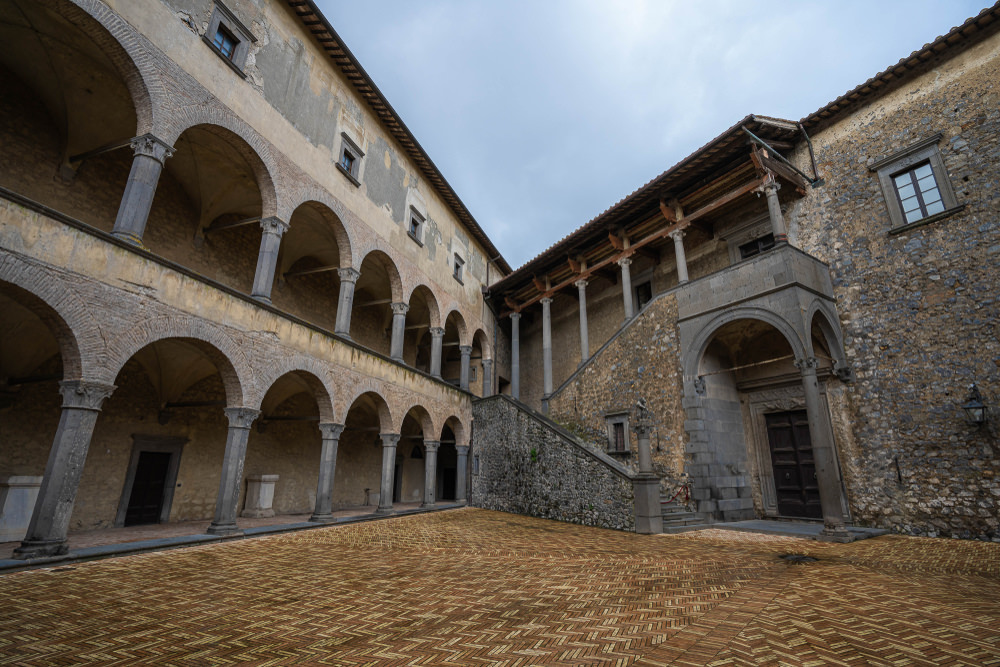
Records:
x=618, y=444
x=643, y=294
x=416, y=230
x=617, y=424
x=917, y=192
x=225, y=42
x=458, y=268
x=349, y=163
x=347, y=160
x=228, y=37
x=757, y=246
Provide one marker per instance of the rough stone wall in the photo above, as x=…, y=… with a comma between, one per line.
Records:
x=642, y=361
x=919, y=309
x=529, y=466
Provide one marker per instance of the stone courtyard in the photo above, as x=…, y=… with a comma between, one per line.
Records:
x=476, y=587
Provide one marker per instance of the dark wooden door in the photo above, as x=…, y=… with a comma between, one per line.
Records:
x=792, y=461
x=146, y=499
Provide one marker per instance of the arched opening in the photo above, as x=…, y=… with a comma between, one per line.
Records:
x=283, y=450
x=410, y=457
x=378, y=287
x=481, y=352
x=31, y=366
x=158, y=445
x=359, y=456
x=68, y=113
x=451, y=354
x=420, y=318
x=312, y=250
x=447, y=463
x=208, y=204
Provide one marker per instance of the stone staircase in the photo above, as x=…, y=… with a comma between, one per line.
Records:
x=677, y=518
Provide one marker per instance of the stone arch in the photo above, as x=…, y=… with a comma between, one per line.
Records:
x=386, y=422
x=694, y=355
x=80, y=339
x=423, y=417
x=132, y=59
x=463, y=329
x=433, y=308
x=391, y=270
x=254, y=148
x=823, y=316
x=458, y=428
x=225, y=354
x=480, y=338
x=342, y=232
x=311, y=372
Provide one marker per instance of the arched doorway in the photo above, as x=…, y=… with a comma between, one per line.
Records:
x=358, y=478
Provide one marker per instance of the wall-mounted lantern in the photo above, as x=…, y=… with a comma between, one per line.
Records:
x=974, y=407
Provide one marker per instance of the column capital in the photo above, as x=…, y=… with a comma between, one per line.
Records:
x=545, y=300
x=463, y=450
x=432, y=445
x=437, y=332
x=807, y=365
x=330, y=431
x=84, y=395
x=581, y=284
x=771, y=186
x=150, y=146
x=515, y=316
x=677, y=234
x=348, y=275
x=241, y=417
x=624, y=261
x=400, y=308
x=487, y=363
x=273, y=225
x=389, y=439
x=466, y=350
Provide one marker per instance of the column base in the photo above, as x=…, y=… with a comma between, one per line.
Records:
x=32, y=549
x=385, y=510
x=322, y=518
x=128, y=237
x=839, y=534
x=224, y=530
x=261, y=298
x=648, y=514
x=343, y=335
x=426, y=505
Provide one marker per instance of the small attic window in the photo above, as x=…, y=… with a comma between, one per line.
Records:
x=229, y=38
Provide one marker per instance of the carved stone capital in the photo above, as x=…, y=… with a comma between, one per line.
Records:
x=677, y=235
x=807, y=364
x=545, y=300
x=624, y=262
x=515, y=316
x=331, y=431
x=463, y=450
x=400, y=308
x=84, y=395
x=466, y=350
x=348, y=275
x=699, y=386
x=273, y=225
x=149, y=146
x=389, y=439
x=437, y=332
x=241, y=417
x=432, y=445
x=771, y=187
x=487, y=363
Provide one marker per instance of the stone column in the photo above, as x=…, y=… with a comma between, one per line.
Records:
x=389, y=442
x=581, y=286
x=348, y=278
x=774, y=208
x=430, y=472
x=487, y=377
x=681, y=258
x=437, y=340
x=327, y=468
x=267, y=259
x=231, y=480
x=466, y=351
x=463, y=464
x=821, y=435
x=546, y=347
x=398, y=330
x=646, y=485
x=150, y=154
x=625, y=262
x=515, y=355
x=46, y=535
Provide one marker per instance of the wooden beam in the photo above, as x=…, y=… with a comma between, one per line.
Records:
x=376, y=302
x=616, y=241
x=539, y=284
x=668, y=212
x=513, y=305
x=574, y=266
x=306, y=272
x=230, y=225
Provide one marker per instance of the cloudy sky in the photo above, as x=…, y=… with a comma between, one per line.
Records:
x=541, y=114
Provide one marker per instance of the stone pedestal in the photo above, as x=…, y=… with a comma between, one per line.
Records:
x=260, y=497
x=17, y=500
x=648, y=514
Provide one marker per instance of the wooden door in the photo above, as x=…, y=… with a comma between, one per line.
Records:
x=146, y=500
x=795, y=483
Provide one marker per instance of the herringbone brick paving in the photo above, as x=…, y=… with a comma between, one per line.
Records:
x=473, y=587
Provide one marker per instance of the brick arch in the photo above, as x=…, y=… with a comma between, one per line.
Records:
x=254, y=148
x=81, y=340
x=310, y=370
x=432, y=303
x=694, y=355
x=484, y=343
x=391, y=269
x=423, y=416
x=342, y=231
x=386, y=423
x=463, y=329
x=221, y=349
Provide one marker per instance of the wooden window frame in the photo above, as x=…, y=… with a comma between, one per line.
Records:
x=613, y=420
x=912, y=157
x=418, y=218
x=223, y=20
